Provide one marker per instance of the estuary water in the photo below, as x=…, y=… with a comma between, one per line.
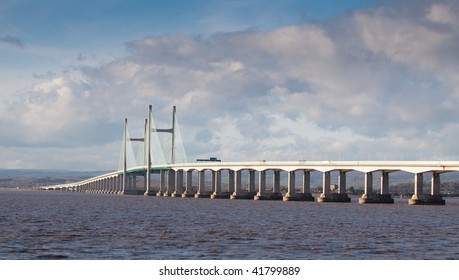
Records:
x=67, y=225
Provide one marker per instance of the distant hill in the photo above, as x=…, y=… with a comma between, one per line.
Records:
x=26, y=178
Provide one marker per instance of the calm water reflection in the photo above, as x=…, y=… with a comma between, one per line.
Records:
x=55, y=225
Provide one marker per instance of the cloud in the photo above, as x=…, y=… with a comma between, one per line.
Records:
x=12, y=41
x=369, y=84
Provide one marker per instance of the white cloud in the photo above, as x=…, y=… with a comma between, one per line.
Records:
x=372, y=83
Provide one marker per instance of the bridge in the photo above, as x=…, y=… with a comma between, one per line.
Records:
x=174, y=177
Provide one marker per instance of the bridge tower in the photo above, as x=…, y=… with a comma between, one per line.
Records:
x=149, y=129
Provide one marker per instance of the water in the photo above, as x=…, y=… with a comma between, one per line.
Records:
x=66, y=225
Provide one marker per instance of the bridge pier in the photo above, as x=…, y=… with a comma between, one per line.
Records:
x=202, y=193
x=252, y=181
x=383, y=197
x=108, y=185
x=178, y=184
x=261, y=185
x=327, y=195
x=131, y=185
x=170, y=186
x=217, y=184
x=238, y=192
x=275, y=194
x=291, y=194
x=100, y=186
x=434, y=198
x=162, y=182
x=148, y=186
x=188, y=184
x=119, y=184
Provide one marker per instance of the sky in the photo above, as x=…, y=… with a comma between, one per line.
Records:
x=252, y=80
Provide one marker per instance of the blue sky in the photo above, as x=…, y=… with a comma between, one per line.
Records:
x=280, y=80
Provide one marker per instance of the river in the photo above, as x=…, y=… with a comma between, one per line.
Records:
x=68, y=225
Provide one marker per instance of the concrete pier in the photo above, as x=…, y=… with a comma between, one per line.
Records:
x=238, y=192
x=383, y=197
x=202, y=193
x=217, y=186
x=291, y=194
x=178, y=184
x=327, y=195
x=170, y=186
x=434, y=198
x=162, y=182
x=148, y=188
x=188, y=185
x=262, y=194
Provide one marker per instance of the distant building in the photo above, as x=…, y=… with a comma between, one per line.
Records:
x=209, y=159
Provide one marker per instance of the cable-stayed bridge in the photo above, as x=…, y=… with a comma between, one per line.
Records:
x=165, y=171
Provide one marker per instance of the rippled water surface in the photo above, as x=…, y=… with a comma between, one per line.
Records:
x=66, y=225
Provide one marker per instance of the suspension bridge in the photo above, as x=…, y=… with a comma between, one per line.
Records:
x=164, y=170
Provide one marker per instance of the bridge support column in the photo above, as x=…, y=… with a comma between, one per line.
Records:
x=327, y=196
x=120, y=184
x=369, y=197
x=217, y=175
x=251, y=181
x=115, y=184
x=307, y=186
x=188, y=185
x=275, y=194
x=342, y=191
x=237, y=185
x=384, y=182
x=110, y=185
x=134, y=184
x=202, y=185
x=261, y=186
x=342, y=183
x=162, y=182
x=103, y=186
x=230, y=181
x=148, y=186
x=170, y=183
x=419, y=198
x=238, y=192
x=291, y=192
x=130, y=187
x=305, y=194
x=178, y=184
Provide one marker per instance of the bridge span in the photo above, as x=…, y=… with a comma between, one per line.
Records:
x=176, y=180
